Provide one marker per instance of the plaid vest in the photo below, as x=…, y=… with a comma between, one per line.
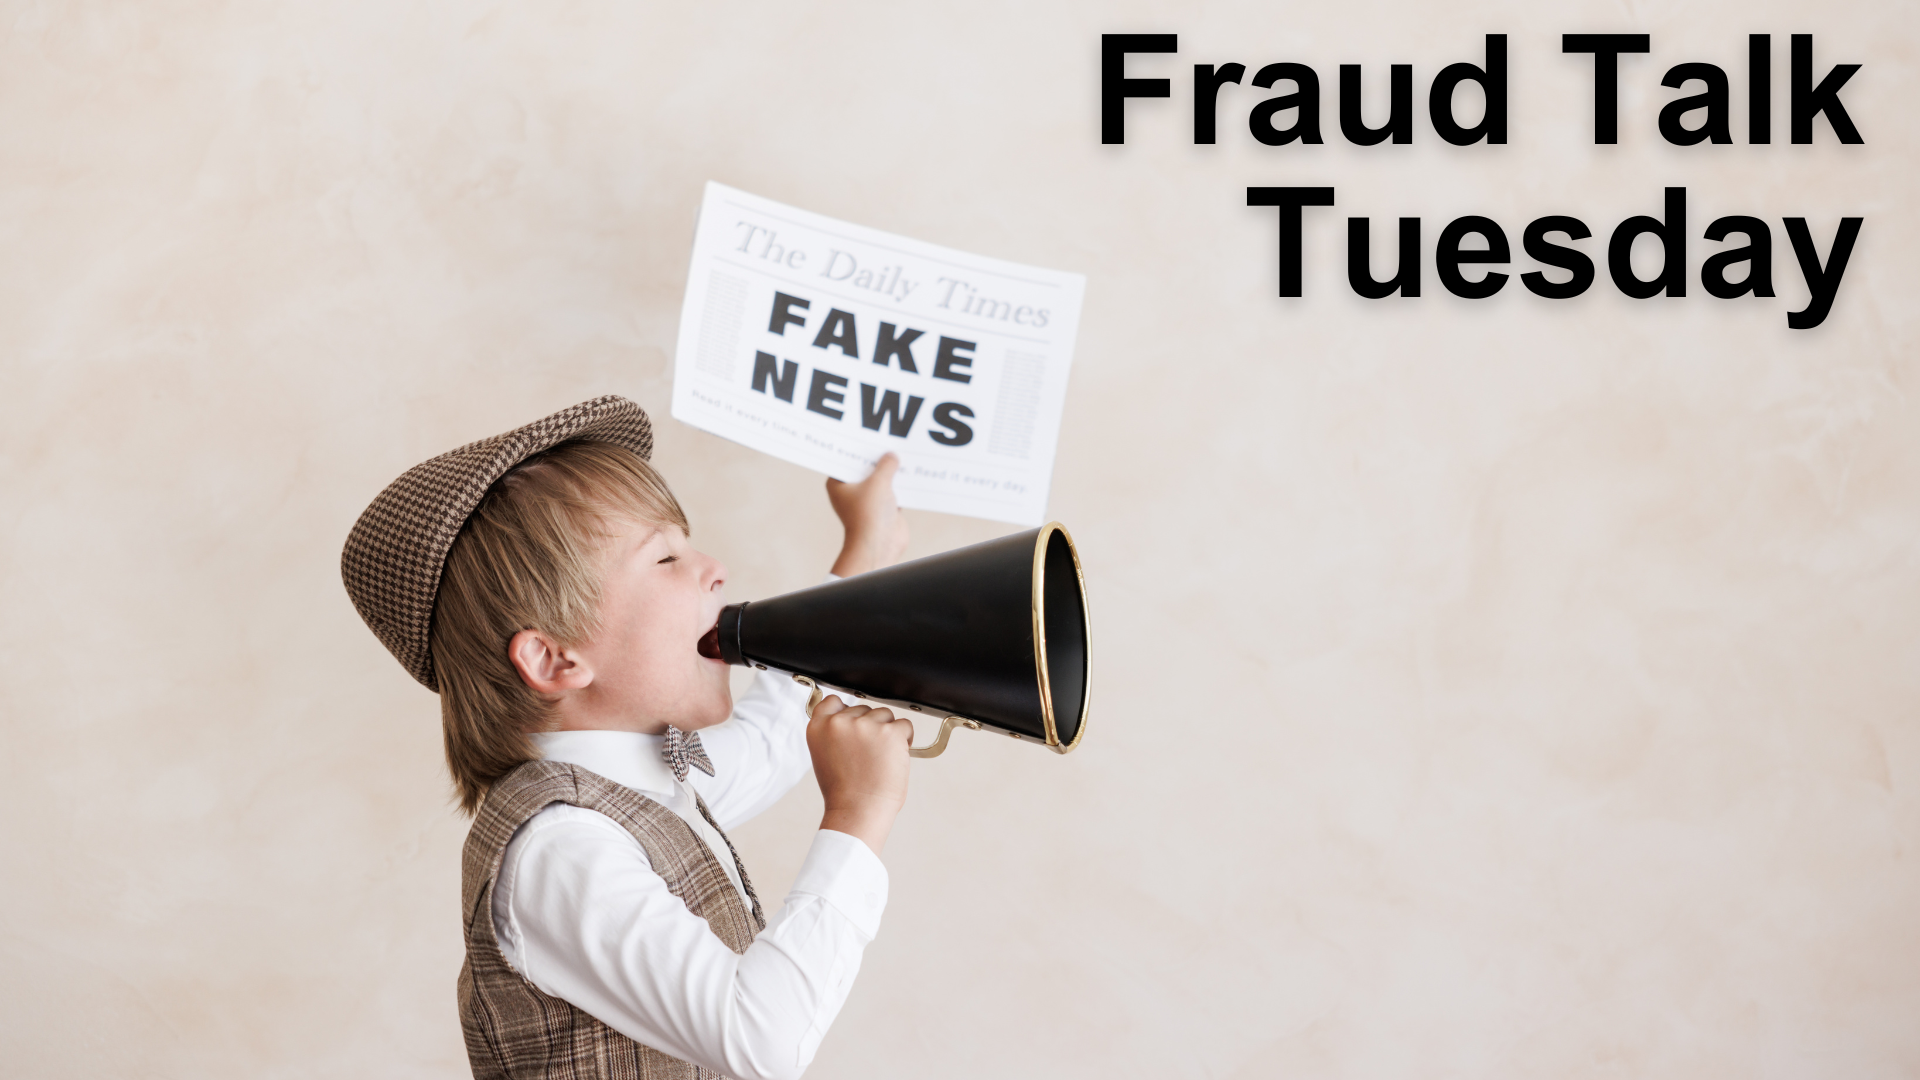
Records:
x=513, y=1030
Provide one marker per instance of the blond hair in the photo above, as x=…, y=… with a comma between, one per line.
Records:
x=530, y=557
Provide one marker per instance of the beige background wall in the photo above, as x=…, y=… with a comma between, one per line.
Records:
x=1484, y=689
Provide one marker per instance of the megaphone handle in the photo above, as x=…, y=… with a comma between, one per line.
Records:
x=933, y=749
x=813, y=699
x=939, y=744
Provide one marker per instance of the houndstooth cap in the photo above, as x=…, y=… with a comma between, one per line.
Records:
x=397, y=549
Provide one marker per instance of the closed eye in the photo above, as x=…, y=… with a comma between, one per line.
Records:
x=670, y=558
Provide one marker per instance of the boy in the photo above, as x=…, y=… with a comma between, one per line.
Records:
x=543, y=584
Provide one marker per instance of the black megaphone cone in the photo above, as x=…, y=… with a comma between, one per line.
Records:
x=988, y=636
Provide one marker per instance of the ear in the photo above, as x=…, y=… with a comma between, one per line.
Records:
x=545, y=666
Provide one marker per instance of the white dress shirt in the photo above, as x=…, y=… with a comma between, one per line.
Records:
x=579, y=911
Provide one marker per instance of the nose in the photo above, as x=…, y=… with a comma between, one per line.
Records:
x=716, y=574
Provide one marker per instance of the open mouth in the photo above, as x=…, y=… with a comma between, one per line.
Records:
x=710, y=642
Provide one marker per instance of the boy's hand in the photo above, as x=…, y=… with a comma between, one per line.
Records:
x=876, y=530
x=860, y=759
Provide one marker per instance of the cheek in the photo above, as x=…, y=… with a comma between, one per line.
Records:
x=656, y=650
x=636, y=645
x=665, y=637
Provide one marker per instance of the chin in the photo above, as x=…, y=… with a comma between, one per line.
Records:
x=716, y=711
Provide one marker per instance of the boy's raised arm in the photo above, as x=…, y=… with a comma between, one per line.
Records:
x=876, y=531
x=763, y=745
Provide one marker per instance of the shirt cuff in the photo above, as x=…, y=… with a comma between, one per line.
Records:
x=844, y=871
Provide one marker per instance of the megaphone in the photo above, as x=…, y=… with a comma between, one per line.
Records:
x=991, y=637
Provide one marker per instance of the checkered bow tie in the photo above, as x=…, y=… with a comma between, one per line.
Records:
x=683, y=749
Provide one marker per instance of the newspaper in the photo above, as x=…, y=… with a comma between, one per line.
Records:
x=827, y=344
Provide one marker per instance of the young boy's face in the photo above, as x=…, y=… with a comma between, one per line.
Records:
x=659, y=597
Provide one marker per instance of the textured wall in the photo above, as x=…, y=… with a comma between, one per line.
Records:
x=1501, y=688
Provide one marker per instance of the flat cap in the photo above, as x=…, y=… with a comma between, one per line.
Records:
x=397, y=550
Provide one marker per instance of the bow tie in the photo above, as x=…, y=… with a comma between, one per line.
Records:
x=682, y=749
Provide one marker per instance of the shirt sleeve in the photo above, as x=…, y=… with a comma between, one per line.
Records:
x=759, y=753
x=588, y=921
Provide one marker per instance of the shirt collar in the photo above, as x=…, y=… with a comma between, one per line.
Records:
x=627, y=758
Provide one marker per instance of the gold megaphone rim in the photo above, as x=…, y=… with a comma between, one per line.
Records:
x=1040, y=637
